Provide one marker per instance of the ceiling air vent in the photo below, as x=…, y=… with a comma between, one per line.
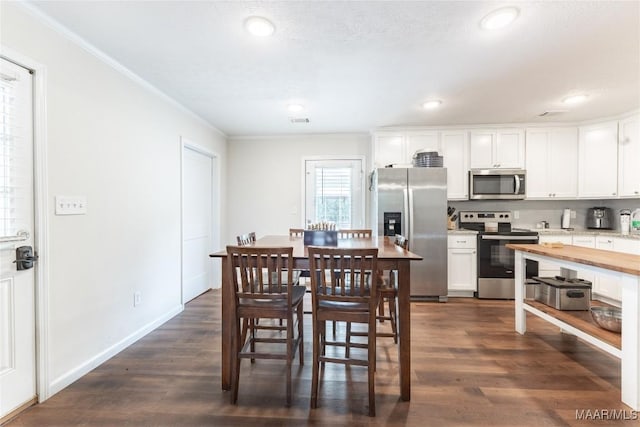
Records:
x=552, y=113
x=299, y=119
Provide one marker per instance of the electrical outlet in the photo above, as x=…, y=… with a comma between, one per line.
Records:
x=516, y=214
x=137, y=299
x=573, y=214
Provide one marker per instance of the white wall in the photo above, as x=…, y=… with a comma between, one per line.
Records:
x=118, y=144
x=265, y=180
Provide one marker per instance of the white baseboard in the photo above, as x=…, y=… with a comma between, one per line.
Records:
x=74, y=374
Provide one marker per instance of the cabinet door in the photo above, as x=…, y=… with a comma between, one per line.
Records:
x=629, y=158
x=607, y=285
x=509, y=148
x=563, y=162
x=428, y=141
x=627, y=246
x=598, y=161
x=456, y=160
x=462, y=270
x=550, y=269
x=586, y=242
x=389, y=149
x=537, y=164
x=482, y=146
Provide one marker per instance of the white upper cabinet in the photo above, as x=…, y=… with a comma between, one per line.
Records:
x=598, y=161
x=629, y=157
x=388, y=149
x=455, y=149
x=552, y=163
x=399, y=148
x=427, y=141
x=502, y=148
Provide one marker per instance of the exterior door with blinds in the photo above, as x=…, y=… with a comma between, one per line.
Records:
x=17, y=288
x=334, y=192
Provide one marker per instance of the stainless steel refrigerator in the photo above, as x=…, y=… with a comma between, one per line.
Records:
x=413, y=202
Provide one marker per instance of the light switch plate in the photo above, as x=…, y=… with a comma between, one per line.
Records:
x=71, y=205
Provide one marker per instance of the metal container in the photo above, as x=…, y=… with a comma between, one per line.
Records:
x=609, y=318
x=573, y=294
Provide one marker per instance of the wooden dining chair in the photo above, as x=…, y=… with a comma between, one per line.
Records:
x=246, y=239
x=354, y=234
x=296, y=232
x=341, y=291
x=387, y=293
x=265, y=296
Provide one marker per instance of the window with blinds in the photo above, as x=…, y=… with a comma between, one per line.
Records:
x=15, y=148
x=334, y=192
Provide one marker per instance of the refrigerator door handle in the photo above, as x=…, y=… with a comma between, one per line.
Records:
x=410, y=215
x=405, y=214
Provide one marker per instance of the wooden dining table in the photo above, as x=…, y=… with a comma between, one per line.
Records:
x=390, y=257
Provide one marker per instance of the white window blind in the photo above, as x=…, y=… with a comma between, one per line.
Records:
x=333, y=195
x=15, y=149
x=334, y=192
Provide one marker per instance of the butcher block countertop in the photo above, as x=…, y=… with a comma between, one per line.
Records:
x=615, y=261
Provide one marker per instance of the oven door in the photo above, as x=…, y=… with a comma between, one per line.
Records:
x=496, y=261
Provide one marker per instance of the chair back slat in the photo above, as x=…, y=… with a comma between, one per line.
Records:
x=261, y=273
x=343, y=274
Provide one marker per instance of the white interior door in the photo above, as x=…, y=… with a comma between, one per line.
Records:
x=198, y=203
x=17, y=288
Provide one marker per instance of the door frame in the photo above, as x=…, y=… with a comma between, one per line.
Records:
x=303, y=191
x=41, y=219
x=215, y=209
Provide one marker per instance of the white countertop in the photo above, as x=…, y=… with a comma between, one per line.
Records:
x=585, y=232
x=462, y=231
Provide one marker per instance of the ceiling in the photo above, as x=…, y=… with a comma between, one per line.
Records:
x=361, y=65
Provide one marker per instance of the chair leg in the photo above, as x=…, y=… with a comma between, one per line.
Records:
x=315, y=371
x=252, y=332
x=372, y=366
x=347, y=344
x=394, y=319
x=300, y=334
x=290, y=350
x=235, y=370
x=381, y=310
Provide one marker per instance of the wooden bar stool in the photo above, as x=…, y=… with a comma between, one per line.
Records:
x=341, y=291
x=264, y=296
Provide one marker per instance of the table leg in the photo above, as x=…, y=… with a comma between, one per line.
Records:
x=404, y=325
x=520, y=277
x=630, y=364
x=228, y=326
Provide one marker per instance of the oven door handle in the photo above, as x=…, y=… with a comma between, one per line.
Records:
x=498, y=237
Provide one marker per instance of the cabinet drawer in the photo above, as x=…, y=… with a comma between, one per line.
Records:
x=462, y=241
x=585, y=241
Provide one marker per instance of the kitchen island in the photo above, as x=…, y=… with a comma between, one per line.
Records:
x=626, y=267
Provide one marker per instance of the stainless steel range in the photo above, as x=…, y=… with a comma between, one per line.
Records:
x=495, y=261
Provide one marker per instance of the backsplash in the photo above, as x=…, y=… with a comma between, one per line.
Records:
x=532, y=212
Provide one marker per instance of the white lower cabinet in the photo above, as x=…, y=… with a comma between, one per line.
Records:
x=462, y=265
x=550, y=269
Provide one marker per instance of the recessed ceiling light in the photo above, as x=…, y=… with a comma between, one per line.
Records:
x=575, y=99
x=430, y=105
x=259, y=26
x=499, y=18
x=295, y=108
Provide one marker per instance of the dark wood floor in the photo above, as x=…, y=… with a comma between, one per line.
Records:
x=469, y=368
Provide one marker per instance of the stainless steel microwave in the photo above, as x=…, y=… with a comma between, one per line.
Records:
x=496, y=184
